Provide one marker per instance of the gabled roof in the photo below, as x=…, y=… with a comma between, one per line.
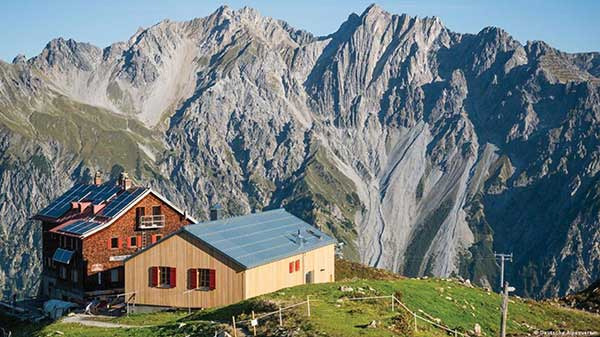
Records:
x=114, y=201
x=259, y=238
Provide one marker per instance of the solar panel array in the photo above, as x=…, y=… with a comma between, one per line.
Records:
x=62, y=255
x=95, y=194
x=121, y=201
x=81, y=227
x=103, y=193
x=61, y=205
x=260, y=238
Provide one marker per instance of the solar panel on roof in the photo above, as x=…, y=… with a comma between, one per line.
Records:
x=121, y=201
x=103, y=193
x=80, y=227
x=260, y=238
x=61, y=205
x=62, y=255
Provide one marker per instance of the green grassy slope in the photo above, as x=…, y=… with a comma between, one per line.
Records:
x=332, y=314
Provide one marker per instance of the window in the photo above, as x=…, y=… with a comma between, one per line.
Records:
x=99, y=277
x=156, y=237
x=139, y=213
x=156, y=210
x=75, y=276
x=162, y=277
x=165, y=277
x=202, y=279
x=114, y=243
x=294, y=266
x=63, y=272
x=114, y=275
x=134, y=241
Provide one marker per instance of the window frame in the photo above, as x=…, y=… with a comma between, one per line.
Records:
x=203, y=279
x=131, y=244
x=164, y=277
x=139, y=213
x=159, y=210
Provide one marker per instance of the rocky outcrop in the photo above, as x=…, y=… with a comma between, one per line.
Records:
x=421, y=149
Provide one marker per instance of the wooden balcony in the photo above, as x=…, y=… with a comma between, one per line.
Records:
x=151, y=221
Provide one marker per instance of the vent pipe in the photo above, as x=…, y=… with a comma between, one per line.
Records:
x=216, y=212
x=300, y=239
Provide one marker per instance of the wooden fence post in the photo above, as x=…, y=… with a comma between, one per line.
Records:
x=280, y=319
x=252, y=323
x=415, y=322
x=393, y=300
x=308, y=304
x=234, y=328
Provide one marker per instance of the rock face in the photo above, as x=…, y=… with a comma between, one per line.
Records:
x=423, y=150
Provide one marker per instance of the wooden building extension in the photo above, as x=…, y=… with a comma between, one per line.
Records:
x=228, y=260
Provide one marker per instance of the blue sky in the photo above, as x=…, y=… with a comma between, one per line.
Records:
x=27, y=25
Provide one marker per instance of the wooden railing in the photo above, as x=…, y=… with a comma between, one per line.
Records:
x=151, y=221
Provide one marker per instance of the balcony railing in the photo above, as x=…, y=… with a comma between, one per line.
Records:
x=151, y=221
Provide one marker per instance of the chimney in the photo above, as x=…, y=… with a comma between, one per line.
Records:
x=124, y=181
x=98, y=178
x=216, y=212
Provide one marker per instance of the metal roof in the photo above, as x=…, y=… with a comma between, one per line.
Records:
x=259, y=238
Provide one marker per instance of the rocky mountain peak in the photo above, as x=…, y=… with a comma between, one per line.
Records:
x=423, y=150
x=20, y=59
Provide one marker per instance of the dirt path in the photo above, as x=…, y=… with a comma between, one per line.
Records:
x=88, y=321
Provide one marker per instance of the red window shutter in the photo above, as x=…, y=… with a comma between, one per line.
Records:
x=109, y=243
x=129, y=242
x=153, y=276
x=120, y=243
x=173, y=272
x=297, y=265
x=139, y=241
x=153, y=240
x=192, y=278
x=291, y=267
x=212, y=279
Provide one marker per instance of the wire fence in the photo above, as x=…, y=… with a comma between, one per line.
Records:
x=414, y=314
x=253, y=322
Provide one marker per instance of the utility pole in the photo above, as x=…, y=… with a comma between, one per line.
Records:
x=504, y=316
x=503, y=257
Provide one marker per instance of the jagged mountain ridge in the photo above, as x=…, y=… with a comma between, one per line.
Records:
x=422, y=149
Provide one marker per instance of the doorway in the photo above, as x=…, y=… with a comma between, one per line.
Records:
x=309, y=277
